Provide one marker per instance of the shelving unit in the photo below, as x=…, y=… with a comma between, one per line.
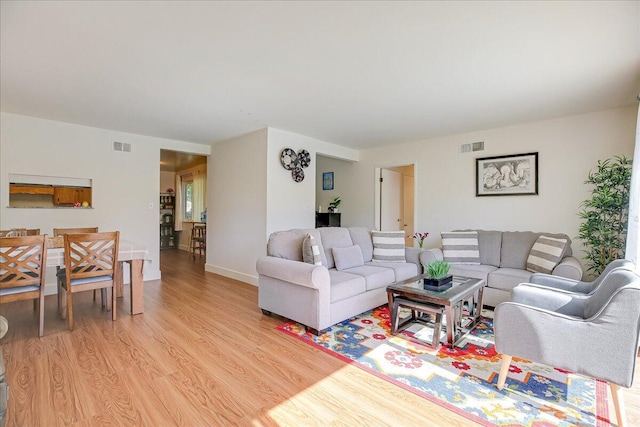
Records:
x=327, y=219
x=167, y=218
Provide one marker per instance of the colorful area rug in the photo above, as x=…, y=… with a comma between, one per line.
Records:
x=463, y=379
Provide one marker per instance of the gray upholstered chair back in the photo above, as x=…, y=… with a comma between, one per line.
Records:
x=611, y=283
x=588, y=287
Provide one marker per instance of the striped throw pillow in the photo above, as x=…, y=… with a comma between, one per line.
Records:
x=545, y=254
x=311, y=251
x=388, y=246
x=461, y=247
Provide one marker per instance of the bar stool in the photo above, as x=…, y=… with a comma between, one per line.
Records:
x=198, y=238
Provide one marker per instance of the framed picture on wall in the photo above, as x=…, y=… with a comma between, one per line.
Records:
x=513, y=175
x=327, y=180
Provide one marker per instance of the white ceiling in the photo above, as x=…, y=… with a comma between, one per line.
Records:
x=359, y=74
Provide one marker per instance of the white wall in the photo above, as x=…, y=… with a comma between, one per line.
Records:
x=342, y=170
x=124, y=184
x=237, y=206
x=292, y=204
x=167, y=180
x=250, y=195
x=568, y=148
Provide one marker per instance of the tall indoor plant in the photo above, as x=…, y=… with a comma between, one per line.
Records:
x=605, y=215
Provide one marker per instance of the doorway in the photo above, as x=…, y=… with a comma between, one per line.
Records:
x=184, y=207
x=395, y=199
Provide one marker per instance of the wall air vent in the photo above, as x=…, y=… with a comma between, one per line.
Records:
x=474, y=146
x=121, y=146
x=477, y=146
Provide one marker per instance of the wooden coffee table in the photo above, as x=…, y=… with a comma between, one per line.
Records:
x=411, y=294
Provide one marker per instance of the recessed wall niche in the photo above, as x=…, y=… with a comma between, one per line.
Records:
x=40, y=191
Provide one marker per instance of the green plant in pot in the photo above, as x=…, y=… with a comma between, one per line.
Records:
x=333, y=206
x=438, y=275
x=605, y=215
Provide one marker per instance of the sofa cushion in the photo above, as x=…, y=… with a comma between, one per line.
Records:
x=333, y=237
x=375, y=277
x=311, y=251
x=460, y=247
x=388, y=246
x=288, y=244
x=490, y=243
x=348, y=257
x=361, y=236
x=345, y=285
x=469, y=270
x=545, y=254
x=516, y=246
x=507, y=278
x=402, y=270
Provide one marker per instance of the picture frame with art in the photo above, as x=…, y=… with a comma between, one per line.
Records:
x=327, y=180
x=510, y=175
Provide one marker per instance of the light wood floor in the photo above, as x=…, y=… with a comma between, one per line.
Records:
x=202, y=354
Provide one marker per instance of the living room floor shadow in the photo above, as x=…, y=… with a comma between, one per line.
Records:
x=201, y=354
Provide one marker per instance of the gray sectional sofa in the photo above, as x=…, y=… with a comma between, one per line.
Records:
x=503, y=259
x=319, y=296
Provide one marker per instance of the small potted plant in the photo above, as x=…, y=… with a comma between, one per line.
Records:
x=438, y=277
x=333, y=206
x=419, y=238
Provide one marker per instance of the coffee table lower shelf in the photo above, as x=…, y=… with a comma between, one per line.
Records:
x=420, y=312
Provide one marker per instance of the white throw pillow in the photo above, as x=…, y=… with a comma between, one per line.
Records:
x=388, y=246
x=311, y=250
x=461, y=247
x=545, y=254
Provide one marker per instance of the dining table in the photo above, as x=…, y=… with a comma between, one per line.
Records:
x=133, y=253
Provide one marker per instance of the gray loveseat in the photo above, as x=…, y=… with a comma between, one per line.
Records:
x=503, y=259
x=319, y=296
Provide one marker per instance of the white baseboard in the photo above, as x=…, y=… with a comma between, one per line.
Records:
x=232, y=274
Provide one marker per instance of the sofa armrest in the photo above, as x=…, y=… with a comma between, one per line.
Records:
x=297, y=272
x=570, y=268
x=430, y=255
x=413, y=255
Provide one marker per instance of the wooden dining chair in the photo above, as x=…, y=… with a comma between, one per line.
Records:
x=18, y=232
x=57, y=232
x=62, y=231
x=91, y=262
x=23, y=262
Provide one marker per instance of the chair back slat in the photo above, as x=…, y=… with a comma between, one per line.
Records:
x=91, y=254
x=19, y=232
x=62, y=231
x=22, y=260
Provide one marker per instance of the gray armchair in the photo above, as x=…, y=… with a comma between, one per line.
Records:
x=558, y=282
x=563, y=329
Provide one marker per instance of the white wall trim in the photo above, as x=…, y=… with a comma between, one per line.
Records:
x=236, y=275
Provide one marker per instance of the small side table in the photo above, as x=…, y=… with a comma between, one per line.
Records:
x=418, y=310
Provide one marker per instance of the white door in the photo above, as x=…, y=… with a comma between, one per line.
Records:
x=407, y=203
x=391, y=201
